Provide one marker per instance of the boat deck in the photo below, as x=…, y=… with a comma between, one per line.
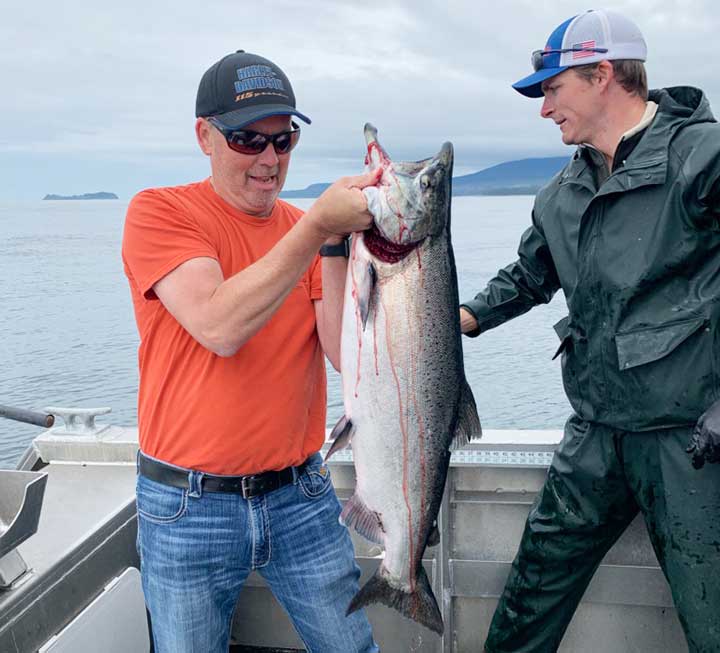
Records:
x=86, y=540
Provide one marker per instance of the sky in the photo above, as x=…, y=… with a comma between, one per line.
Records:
x=100, y=96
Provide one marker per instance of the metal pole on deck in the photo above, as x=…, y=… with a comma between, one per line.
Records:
x=27, y=416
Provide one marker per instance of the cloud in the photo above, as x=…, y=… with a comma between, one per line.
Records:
x=111, y=86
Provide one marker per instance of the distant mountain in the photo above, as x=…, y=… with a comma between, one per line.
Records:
x=313, y=190
x=522, y=177
x=85, y=196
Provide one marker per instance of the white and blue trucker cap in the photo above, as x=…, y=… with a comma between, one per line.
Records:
x=593, y=36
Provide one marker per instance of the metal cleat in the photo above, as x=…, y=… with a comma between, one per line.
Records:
x=78, y=421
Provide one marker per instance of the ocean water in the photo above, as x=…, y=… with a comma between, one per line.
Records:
x=68, y=336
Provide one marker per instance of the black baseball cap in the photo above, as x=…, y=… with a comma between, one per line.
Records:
x=242, y=88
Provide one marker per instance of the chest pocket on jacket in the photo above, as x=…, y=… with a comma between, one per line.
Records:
x=648, y=344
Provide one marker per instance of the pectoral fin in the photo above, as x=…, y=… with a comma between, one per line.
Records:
x=364, y=286
x=341, y=435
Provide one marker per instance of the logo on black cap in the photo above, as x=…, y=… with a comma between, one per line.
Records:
x=252, y=78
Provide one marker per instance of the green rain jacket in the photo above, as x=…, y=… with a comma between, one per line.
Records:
x=637, y=254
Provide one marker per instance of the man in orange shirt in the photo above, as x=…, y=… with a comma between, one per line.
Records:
x=234, y=321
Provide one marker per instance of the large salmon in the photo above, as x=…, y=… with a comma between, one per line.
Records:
x=405, y=394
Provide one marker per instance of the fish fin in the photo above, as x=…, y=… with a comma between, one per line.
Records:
x=365, y=286
x=341, y=435
x=366, y=522
x=468, y=423
x=419, y=605
x=434, y=535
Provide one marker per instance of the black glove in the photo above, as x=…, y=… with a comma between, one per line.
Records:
x=705, y=442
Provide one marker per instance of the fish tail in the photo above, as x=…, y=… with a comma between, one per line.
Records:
x=419, y=605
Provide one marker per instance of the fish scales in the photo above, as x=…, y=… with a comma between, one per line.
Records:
x=405, y=394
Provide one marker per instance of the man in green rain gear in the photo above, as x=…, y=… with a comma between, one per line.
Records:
x=630, y=230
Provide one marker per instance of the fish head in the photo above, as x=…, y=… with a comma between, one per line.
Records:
x=411, y=201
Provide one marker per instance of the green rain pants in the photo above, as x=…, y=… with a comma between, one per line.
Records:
x=598, y=480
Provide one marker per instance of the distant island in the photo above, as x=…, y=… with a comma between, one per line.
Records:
x=522, y=177
x=85, y=196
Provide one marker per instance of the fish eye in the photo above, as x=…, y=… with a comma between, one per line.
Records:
x=425, y=182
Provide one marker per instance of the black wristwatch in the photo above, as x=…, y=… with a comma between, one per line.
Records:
x=341, y=249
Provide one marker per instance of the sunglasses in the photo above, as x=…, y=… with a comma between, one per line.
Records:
x=246, y=141
x=537, y=56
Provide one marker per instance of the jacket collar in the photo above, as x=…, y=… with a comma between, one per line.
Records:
x=647, y=163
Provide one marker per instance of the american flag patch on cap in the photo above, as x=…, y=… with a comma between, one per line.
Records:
x=586, y=51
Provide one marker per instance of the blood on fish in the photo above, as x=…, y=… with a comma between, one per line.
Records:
x=401, y=230
x=374, y=145
x=384, y=249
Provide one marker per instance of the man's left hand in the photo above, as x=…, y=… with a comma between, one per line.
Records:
x=705, y=443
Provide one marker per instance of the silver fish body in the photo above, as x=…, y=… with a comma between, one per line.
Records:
x=405, y=394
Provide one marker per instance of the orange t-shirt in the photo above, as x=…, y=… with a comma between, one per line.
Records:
x=264, y=407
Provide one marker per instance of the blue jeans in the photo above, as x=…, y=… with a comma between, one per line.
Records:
x=197, y=548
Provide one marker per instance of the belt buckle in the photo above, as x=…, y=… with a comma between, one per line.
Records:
x=245, y=487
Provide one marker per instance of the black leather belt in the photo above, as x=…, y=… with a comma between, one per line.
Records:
x=249, y=486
